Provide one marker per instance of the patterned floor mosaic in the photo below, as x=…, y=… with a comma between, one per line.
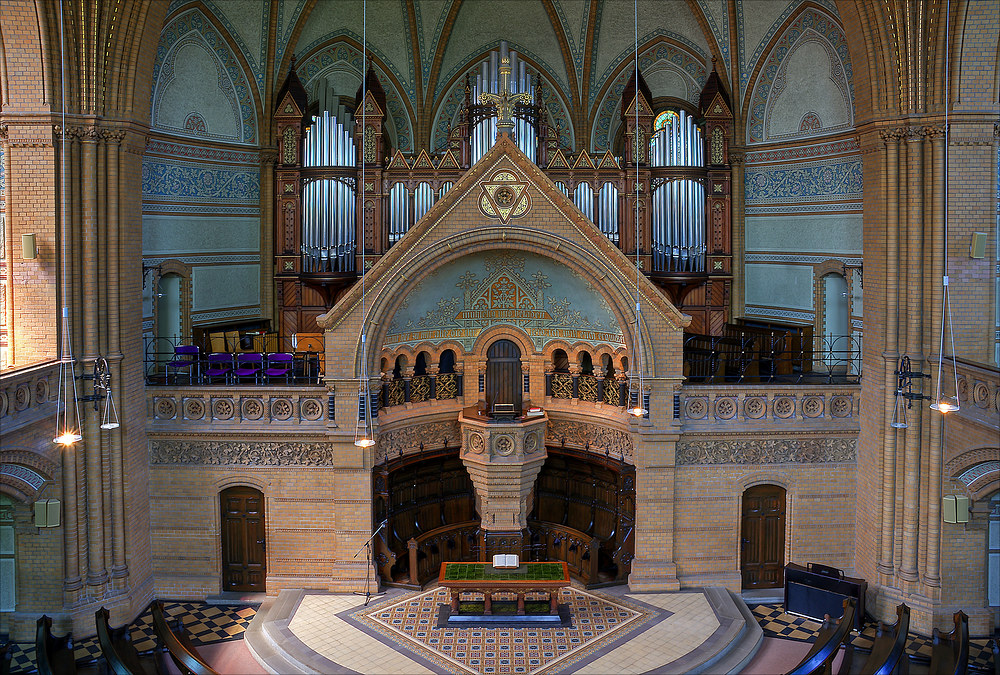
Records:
x=597, y=620
x=206, y=624
x=778, y=623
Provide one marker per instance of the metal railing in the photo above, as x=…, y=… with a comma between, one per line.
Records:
x=159, y=352
x=753, y=357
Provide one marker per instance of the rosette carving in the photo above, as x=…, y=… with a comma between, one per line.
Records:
x=311, y=409
x=503, y=445
x=840, y=406
x=696, y=408
x=281, y=409
x=812, y=406
x=194, y=408
x=164, y=408
x=725, y=408
x=784, y=407
x=222, y=409
x=754, y=407
x=252, y=408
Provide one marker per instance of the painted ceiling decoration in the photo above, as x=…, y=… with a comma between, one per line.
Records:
x=581, y=48
x=539, y=295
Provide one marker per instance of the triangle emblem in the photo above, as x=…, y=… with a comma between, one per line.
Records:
x=504, y=197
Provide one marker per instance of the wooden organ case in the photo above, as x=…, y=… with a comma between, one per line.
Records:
x=684, y=240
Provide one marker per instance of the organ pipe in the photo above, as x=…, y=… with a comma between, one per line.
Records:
x=484, y=133
x=678, y=204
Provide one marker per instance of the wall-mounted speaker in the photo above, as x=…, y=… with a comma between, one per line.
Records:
x=29, y=251
x=47, y=513
x=978, y=247
x=955, y=509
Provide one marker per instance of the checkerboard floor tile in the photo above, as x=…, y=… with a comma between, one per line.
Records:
x=777, y=623
x=205, y=624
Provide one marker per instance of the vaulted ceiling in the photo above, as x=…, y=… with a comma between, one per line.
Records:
x=422, y=48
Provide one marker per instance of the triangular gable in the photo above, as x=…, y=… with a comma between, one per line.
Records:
x=288, y=107
x=583, y=161
x=371, y=108
x=396, y=265
x=423, y=161
x=718, y=107
x=644, y=110
x=448, y=161
x=608, y=161
x=398, y=161
x=558, y=160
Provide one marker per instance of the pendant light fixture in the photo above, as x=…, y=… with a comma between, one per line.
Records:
x=364, y=434
x=946, y=404
x=68, y=429
x=635, y=388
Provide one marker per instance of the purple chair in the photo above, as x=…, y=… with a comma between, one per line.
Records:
x=280, y=364
x=248, y=364
x=185, y=358
x=218, y=364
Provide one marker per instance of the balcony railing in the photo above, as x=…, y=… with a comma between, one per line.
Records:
x=162, y=356
x=750, y=357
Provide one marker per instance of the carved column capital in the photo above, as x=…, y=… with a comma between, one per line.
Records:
x=894, y=135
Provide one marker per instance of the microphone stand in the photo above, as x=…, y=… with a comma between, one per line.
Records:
x=367, y=548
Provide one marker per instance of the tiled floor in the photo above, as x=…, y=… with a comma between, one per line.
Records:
x=611, y=632
x=330, y=626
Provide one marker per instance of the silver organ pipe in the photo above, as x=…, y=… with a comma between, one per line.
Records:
x=488, y=80
x=562, y=187
x=423, y=200
x=445, y=186
x=583, y=197
x=678, y=218
x=399, y=212
x=328, y=204
x=608, y=211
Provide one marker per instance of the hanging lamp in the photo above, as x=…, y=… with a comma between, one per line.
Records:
x=364, y=433
x=636, y=409
x=946, y=404
x=68, y=429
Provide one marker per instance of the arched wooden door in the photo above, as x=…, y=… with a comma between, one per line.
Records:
x=762, y=537
x=243, y=544
x=503, y=374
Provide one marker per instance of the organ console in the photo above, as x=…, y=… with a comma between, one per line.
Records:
x=679, y=170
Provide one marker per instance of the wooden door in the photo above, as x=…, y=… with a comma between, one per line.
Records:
x=503, y=374
x=243, y=544
x=762, y=537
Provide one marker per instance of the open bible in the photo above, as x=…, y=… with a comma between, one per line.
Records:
x=506, y=561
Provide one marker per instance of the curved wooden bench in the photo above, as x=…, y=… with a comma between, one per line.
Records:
x=53, y=654
x=182, y=650
x=819, y=660
x=950, y=653
x=889, y=651
x=116, y=647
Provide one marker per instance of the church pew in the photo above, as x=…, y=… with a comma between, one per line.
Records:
x=119, y=654
x=5, y=657
x=183, y=652
x=950, y=653
x=819, y=660
x=53, y=655
x=888, y=655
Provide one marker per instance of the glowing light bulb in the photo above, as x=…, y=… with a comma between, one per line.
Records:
x=637, y=411
x=67, y=438
x=364, y=442
x=944, y=407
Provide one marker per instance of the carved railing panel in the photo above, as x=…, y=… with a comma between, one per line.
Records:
x=447, y=386
x=587, y=388
x=612, y=392
x=420, y=388
x=562, y=385
x=394, y=393
x=755, y=405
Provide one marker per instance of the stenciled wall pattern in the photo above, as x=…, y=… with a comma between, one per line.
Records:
x=544, y=298
x=231, y=80
x=837, y=179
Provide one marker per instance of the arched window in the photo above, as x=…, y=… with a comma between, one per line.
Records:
x=447, y=362
x=560, y=362
x=420, y=366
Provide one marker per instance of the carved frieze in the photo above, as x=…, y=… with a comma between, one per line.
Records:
x=766, y=451
x=596, y=438
x=240, y=453
x=431, y=435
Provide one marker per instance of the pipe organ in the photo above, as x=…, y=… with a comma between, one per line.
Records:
x=678, y=209
x=487, y=80
x=329, y=225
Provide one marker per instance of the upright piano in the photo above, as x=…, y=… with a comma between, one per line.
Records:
x=816, y=590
